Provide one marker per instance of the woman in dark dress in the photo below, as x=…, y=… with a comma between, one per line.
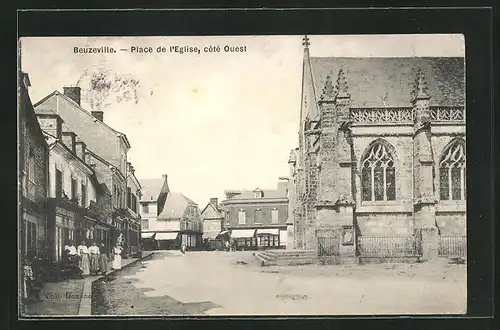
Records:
x=103, y=261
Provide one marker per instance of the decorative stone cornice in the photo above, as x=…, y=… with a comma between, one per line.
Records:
x=425, y=200
x=341, y=201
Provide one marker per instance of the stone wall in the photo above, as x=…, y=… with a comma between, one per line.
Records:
x=385, y=224
x=452, y=223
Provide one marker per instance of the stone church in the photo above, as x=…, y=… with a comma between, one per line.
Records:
x=381, y=150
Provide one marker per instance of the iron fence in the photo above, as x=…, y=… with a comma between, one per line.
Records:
x=387, y=247
x=452, y=246
x=328, y=246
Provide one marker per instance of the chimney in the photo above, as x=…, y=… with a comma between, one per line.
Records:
x=80, y=149
x=98, y=115
x=73, y=93
x=283, y=184
x=69, y=139
x=51, y=123
x=215, y=202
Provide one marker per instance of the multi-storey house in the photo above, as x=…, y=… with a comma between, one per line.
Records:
x=178, y=219
x=258, y=218
x=75, y=192
x=33, y=175
x=105, y=144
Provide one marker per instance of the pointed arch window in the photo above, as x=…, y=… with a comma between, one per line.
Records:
x=378, y=174
x=452, y=173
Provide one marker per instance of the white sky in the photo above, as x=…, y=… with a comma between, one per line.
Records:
x=212, y=121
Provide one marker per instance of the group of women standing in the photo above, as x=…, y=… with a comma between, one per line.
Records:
x=93, y=259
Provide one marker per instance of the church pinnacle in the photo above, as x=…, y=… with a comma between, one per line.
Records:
x=328, y=92
x=342, y=88
x=420, y=86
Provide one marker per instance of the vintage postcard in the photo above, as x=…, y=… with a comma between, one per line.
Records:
x=242, y=176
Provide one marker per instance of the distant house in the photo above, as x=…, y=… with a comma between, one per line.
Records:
x=257, y=218
x=213, y=220
x=177, y=219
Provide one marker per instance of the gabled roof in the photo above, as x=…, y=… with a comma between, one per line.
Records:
x=150, y=189
x=175, y=206
x=211, y=212
x=389, y=81
x=57, y=93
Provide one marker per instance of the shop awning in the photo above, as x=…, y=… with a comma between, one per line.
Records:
x=210, y=234
x=242, y=233
x=270, y=231
x=147, y=235
x=166, y=236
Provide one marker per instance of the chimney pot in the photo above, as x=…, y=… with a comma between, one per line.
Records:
x=215, y=202
x=99, y=115
x=73, y=93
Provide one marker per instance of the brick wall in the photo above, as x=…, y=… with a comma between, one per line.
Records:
x=250, y=213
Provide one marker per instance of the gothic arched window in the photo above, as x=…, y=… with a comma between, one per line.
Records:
x=452, y=172
x=378, y=174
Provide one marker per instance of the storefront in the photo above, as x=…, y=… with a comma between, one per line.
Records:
x=212, y=240
x=133, y=238
x=168, y=240
x=244, y=239
x=148, y=241
x=191, y=239
x=33, y=232
x=268, y=238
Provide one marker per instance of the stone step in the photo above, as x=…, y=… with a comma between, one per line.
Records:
x=293, y=254
x=297, y=261
x=264, y=261
x=265, y=257
x=288, y=252
x=304, y=260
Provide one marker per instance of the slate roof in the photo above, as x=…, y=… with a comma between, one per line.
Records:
x=50, y=111
x=175, y=206
x=151, y=189
x=267, y=193
x=371, y=79
x=210, y=212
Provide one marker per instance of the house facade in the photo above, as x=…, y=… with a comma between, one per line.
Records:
x=106, y=149
x=258, y=218
x=177, y=220
x=148, y=210
x=381, y=151
x=33, y=176
x=213, y=222
x=133, y=197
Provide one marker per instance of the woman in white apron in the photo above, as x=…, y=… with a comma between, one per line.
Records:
x=117, y=261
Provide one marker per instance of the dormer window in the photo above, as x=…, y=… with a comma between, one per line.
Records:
x=257, y=193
